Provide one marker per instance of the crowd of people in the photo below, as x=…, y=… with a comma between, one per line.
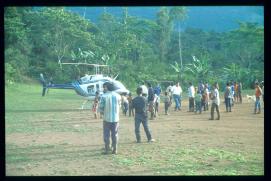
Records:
x=145, y=106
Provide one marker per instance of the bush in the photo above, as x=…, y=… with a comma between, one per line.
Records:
x=10, y=73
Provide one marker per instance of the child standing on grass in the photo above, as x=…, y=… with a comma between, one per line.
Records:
x=198, y=100
x=156, y=104
x=167, y=102
x=96, y=104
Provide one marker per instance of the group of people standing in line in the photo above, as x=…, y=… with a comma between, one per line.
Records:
x=147, y=100
x=199, y=97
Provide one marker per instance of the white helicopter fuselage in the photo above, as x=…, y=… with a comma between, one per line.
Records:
x=90, y=84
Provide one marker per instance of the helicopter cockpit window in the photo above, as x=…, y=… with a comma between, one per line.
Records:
x=84, y=79
x=91, y=89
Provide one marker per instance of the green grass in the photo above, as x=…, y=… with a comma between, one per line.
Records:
x=24, y=103
x=26, y=110
x=22, y=97
x=190, y=161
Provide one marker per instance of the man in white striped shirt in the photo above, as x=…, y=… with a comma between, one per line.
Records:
x=110, y=107
x=177, y=91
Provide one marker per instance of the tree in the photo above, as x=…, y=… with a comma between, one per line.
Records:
x=249, y=35
x=17, y=45
x=37, y=38
x=200, y=68
x=179, y=14
x=55, y=33
x=164, y=31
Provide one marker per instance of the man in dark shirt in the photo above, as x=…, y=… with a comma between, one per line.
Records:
x=139, y=103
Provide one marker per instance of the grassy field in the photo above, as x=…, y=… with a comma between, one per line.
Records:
x=51, y=136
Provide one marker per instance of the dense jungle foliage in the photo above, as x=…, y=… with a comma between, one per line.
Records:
x=137, y=49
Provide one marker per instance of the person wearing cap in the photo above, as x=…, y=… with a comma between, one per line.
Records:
x=110, y=107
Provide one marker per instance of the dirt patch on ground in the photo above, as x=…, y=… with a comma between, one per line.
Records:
x=70, y=143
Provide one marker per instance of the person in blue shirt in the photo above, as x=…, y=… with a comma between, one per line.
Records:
x=110, y=107
x=157, y=90
x=201, y=86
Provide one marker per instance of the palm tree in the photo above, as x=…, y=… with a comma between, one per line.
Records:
x=179, y=14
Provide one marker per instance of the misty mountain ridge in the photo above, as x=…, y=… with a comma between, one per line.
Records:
x=208, y=18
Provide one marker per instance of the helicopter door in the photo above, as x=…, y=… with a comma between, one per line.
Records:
x=91, y=90
x=101, y=87
x=98, y=87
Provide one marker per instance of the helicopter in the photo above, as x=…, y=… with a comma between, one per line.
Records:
x=88, y=85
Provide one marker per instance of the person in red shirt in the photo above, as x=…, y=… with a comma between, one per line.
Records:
x=96, y=104
x=236, y=96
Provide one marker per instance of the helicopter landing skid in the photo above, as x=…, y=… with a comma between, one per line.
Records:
x=82, y=107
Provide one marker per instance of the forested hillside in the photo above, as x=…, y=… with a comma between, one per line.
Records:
x=136, y=48
x=207, y=18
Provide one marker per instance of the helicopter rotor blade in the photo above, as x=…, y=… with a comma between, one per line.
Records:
x=116, y=76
